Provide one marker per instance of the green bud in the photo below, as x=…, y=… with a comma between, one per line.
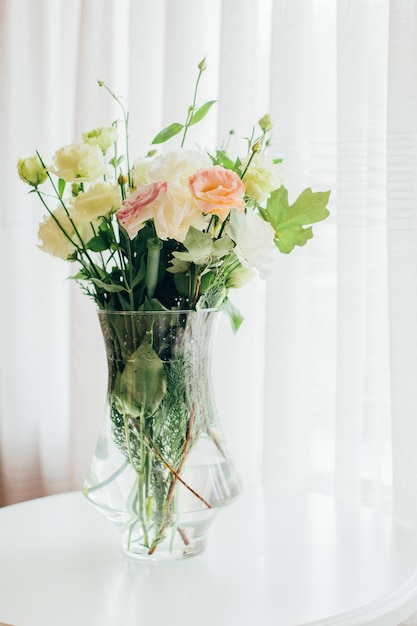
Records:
x=202, y=65
x=75, y=189
x=257, y=146
x=239, y=277
x=31, y=171
x=266, y=123
x=122, y=180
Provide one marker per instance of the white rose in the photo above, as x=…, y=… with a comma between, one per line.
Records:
x=78, y=162
x=254, y=238
x=99, y=200
x=177, y=166
x=55, y=241
x=261, y=177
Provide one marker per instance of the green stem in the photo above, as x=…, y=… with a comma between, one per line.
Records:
x=248, y=164
x=58, y=223
x=123, y=267
x=191, y=108
x=152, y=265
x=126, y=123
x=141, y=497
x=80, y=248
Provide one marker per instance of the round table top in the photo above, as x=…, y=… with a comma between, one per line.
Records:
x=284, y=559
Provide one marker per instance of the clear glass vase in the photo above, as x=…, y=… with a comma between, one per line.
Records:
x=160, y=471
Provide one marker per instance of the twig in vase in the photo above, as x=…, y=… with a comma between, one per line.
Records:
x=177, y=477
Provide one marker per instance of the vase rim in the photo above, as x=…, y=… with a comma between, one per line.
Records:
x=167, y=312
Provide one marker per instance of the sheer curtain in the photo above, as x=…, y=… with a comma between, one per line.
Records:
x=317, y=390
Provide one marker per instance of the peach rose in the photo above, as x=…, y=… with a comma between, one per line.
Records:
x=137, y=208
x=216, y=191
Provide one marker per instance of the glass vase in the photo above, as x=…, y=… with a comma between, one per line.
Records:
x=160, y=470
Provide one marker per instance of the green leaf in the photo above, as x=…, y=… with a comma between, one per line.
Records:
x=99, y=243
x=61, y=187
x=289, y=221
x=110, y=287
x=81, y=275
x=168, y=132
x=226, y=161
x=199, y=247
x=142, y=384
x=115, y=162
x=233, y=313
x=153, y=305
x=222, y=247
x=141, y=274
x=182, y=283
x=201, y=112
x=178, y=267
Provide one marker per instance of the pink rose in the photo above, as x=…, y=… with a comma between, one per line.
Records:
x=137, y=208
x=216, y=191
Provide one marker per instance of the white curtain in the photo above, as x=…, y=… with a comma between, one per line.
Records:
x=318, y=388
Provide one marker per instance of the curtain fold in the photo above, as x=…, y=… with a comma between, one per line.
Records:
x=316, y=390
x=402, y=248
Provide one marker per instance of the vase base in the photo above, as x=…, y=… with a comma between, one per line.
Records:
x=162, y=553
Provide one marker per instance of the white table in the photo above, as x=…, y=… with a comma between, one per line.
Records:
x=283, y=560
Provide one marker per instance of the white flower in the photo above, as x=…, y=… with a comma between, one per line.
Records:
x=62, y=241
x=103, y=137
x=78, y=162
x=170, y=166
x=261, y=177
x=254, y=238
x=140, y=171
x=99, y=200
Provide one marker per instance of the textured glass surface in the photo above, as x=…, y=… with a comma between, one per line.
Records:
x=160, y=470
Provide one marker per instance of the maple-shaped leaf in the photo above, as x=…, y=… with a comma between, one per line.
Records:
x=292, y=222
x=201, y=249
x=199, y=246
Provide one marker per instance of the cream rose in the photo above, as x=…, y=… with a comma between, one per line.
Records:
x=216, y=191
x=174, y=212
x=32, y=171
x=55, y=241
x=78, y=162
x=100, y=200
x=261, y=177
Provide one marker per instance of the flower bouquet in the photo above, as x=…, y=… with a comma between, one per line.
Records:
x=159, y=243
